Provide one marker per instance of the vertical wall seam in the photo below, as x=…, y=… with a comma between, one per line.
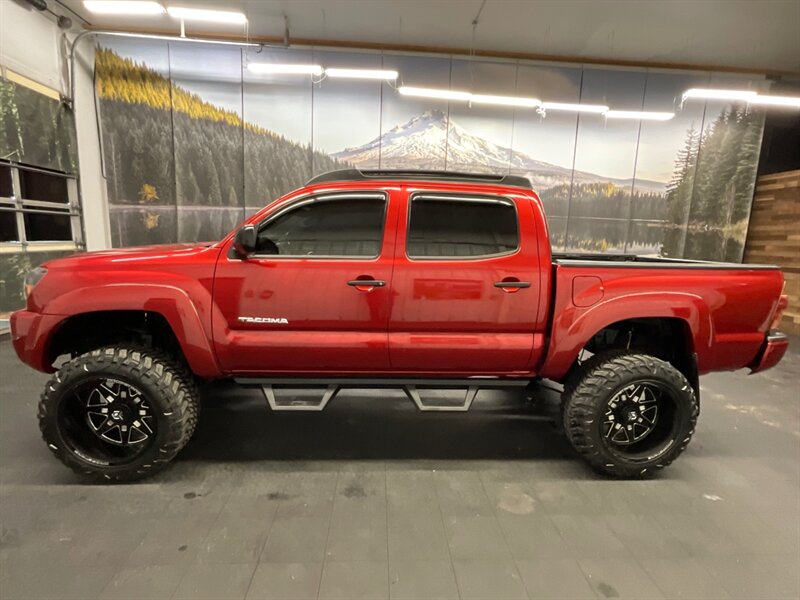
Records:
x=572, y=174
x=635, y=166
x=380, y=119
x=513, y=121
x=244, y=162
x=687, y=218
x=447, y=130
x=172, y=132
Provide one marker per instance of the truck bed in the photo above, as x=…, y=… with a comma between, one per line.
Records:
x=726, y=306
x=634, y=260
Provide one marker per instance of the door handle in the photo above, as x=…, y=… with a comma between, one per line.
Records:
x=512, y=284
x=366, y=283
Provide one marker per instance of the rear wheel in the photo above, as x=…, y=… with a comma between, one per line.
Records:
x=628, y=414
x=118, y=413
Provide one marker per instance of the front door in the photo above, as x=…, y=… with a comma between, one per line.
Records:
x=466, y=285
x=314, y=298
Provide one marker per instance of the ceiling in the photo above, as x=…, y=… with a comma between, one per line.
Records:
x=759, y=35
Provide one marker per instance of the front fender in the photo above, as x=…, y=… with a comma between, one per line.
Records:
x=574, y=327
x=189, y=320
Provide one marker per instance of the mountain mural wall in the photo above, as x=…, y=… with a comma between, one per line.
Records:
x=175, y=162
x=194, y=142
x=433, y=134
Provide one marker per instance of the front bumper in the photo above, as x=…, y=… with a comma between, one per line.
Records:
x=771, y=352
x=28, y=331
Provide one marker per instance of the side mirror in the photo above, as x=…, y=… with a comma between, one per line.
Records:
x=244, y=243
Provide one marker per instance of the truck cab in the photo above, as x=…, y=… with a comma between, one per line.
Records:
x=372, y=277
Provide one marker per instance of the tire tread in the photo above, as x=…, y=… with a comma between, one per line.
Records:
x=176, y=386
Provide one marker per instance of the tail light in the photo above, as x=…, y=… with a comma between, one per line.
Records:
x=783, y=303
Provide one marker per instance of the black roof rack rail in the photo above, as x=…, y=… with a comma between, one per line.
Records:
x=411, y=174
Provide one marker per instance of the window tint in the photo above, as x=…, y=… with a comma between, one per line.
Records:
x=461, y=228
x=41, y=186
x=6, y=189
x=348, y=227
x=44, y=227
x=8, y=227
x=43, y=200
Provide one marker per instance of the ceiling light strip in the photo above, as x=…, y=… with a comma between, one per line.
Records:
x=123, y=7
x=434, y=93
x=461, y=96
x=176, y=38
x=582, y=108
x=639, y=115
x=748, y=96
x=780, y=101
x=206, y=15
x=284, y=69
x=718, y=94
x=506, y=100
x=362, y=74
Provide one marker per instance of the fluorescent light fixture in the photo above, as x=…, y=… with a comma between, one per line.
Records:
x=716, y=94
x=585, y=108
x=284, y=69
x=433, y=93
x=639, y=115
x=749, y=96
x=176, y=38
x=467, y=97
x=506, y=100
x=202, y=14
x=123, y=7
x=362, y=73
x=783, y=101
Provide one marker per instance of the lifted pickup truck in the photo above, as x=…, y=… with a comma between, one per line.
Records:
x=420, y=280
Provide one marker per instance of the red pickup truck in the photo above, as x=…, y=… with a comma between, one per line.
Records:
x=420, y=280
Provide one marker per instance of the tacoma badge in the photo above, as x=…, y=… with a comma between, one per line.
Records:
x=269, y=320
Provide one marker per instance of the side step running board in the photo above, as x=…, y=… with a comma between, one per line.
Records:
x=412, y=392
x=309, y=405
x=415, y=389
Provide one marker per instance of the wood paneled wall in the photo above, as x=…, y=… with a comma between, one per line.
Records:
x=774, y=235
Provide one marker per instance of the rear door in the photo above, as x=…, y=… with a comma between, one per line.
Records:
x=466, y=285
x=314, y=298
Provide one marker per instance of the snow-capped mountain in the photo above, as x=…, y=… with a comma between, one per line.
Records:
x=423, y=141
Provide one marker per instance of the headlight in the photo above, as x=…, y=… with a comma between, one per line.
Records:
x=32, y=278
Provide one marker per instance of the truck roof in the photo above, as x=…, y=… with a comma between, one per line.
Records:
x=342, y=175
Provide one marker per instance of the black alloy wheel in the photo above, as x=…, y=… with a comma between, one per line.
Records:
x=632, y=413
x=117, y=413
x=629, y=414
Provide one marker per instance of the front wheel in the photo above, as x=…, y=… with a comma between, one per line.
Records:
x=118, y=413
x=628, y=414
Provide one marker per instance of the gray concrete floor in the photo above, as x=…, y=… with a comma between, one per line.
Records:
x=372, y=499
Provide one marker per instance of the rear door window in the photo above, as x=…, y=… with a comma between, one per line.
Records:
x=456, y=227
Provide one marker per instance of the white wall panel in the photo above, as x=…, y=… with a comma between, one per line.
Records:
x=29, y=43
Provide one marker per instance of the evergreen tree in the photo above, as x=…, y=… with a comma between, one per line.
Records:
x=36, y=129
x=12, y=141
x=192, y=190
x=716, y=194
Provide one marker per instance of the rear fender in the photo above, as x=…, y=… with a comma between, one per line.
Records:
x=574, y=327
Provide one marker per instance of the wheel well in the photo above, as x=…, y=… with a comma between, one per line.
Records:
x=81, y=333
x=667, y=338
